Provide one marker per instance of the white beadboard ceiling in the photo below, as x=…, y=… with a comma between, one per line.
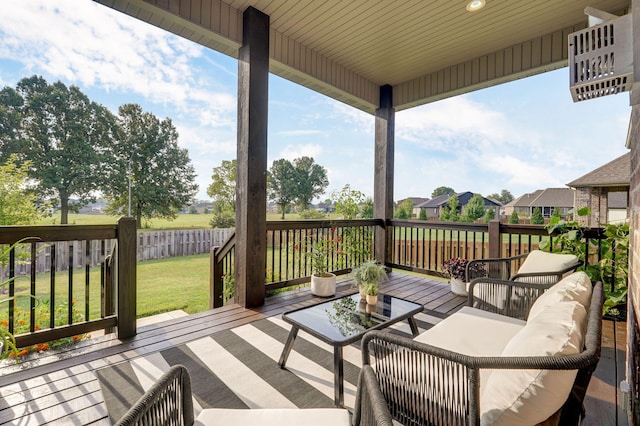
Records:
x=425, y=49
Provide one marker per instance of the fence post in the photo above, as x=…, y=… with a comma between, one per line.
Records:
x=215, y=280
x=126, y=264
x=495, y=240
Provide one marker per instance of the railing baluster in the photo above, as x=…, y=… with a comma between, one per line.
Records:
x=52, y=287
x=32, y=300
x=87, y=267
x=12, y=289
x=70, y=288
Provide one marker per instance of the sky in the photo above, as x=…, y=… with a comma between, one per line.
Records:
x=520, y=136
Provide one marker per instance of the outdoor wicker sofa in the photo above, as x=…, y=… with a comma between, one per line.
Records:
x=169, y=402
x=519, y=353
x=536, y=266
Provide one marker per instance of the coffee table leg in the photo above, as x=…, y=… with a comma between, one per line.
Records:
x=287, y=346
x=414, y=326
x=338, y=376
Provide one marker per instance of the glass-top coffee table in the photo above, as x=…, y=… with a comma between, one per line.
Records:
x=342, y=321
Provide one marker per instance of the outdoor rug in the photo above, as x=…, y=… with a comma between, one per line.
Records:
x=238, y=368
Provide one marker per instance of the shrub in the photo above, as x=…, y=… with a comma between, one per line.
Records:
x=514, y=219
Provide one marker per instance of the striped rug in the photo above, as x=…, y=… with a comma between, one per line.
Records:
x=238, y=368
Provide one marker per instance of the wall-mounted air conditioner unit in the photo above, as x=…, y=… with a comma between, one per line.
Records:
x=601, y=58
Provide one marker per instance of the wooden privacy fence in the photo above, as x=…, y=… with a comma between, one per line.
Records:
x=150, y=245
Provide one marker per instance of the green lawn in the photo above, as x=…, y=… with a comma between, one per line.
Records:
x=163, y=285
x=183, y=221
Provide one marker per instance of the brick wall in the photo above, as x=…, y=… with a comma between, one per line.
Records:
x=596, y=200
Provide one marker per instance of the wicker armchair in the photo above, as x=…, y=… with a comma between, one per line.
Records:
x=501, y=268
x=169, y=403
x=428, y=385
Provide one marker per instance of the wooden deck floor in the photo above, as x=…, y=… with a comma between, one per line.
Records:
x=63, y=389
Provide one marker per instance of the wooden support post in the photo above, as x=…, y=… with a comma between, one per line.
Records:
x=126, y=267
x=215, y=277
x=495, y=240
x=251, y=171
x=383, y=174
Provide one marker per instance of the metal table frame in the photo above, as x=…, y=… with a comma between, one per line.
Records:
x=338, y=363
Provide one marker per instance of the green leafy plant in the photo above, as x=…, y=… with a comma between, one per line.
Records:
x=228, y=286
x=369, y=273
x=613, y=266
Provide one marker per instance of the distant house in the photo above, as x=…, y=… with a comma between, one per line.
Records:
x=605, y=191
x=434, y=206
x=546, y=200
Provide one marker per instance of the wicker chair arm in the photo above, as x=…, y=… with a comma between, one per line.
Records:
x=168, y=401
x=545, y=277
x=371, y=407
x=498, y=267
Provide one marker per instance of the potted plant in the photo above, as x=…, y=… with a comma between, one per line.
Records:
x=371, y=292
x=367, y=274
x=456, y=268
x=323, y=282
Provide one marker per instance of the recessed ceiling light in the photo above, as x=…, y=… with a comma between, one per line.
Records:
x=474, y=5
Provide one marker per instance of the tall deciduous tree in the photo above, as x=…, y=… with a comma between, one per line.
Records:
x=504, y=197
x=441, y=190
x=223, y=186
x=347, y=202
x=10, y=122
x=17, y=202
x=65, y=136
x=282, y=184
x=162, y=177
x=311, y=181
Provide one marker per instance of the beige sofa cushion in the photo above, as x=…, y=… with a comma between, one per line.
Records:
x=575, y=287
x=513, y=397
x=274, y=417
x=540, y=261
x=473, y=332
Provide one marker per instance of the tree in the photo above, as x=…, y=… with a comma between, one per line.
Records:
x=474, y=208
x=162, y=177
x=223, y=188
x=311, y=181
x=536, y=217
x=489, y=215
x=423, y=214
x=66, y=138
x=366, y=209
x=514, y=219
x=450, y=212
x=504, y=197
x=17, y=202
x=405, y=210
x=556, y=213
x=442, y=190
x=347, y=202
x=10, y=122
x=281, y=184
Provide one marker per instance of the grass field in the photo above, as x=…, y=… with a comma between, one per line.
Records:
x=163, y=285
x=183, y=221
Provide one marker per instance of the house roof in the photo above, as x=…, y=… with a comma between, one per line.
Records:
x=615, y=173
x=463, y=198
x=415, y=200
x=550, y=197
x=425, y=50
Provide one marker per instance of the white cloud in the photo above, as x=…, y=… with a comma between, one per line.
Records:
x=291, y=152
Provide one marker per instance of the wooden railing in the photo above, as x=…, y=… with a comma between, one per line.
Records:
x=44, y=307
x=414, y=245
x=289, y=242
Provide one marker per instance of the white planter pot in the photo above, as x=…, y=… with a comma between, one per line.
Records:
x=323, y=286
x=458, y=287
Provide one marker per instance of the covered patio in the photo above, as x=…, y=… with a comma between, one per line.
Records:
x=101, y=377
x=378, y=57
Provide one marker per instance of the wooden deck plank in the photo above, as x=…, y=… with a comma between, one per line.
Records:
x=62, y=388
